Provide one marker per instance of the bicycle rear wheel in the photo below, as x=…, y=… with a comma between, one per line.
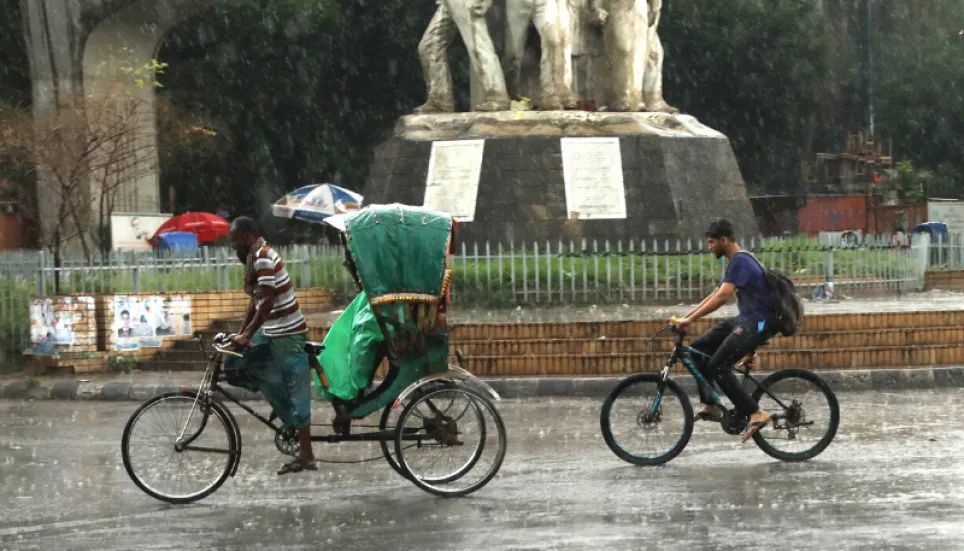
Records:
x=804, y=412
x=177, y=449
x=636, y=410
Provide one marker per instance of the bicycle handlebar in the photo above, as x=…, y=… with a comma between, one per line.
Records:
x=675, y=328
x=221, y=344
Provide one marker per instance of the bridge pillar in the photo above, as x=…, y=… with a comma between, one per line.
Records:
x=78, y=50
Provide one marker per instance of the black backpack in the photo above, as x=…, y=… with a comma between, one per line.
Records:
x=787, y=306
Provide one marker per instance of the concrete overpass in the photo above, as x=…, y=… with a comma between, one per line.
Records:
x=74, y=48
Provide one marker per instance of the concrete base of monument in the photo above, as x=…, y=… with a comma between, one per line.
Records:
x=677, y=175
x=475, y=125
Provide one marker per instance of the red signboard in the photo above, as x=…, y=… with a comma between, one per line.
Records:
x=832, y=213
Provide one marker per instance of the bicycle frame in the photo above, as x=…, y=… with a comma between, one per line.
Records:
x=683, y=353
x=216, y=367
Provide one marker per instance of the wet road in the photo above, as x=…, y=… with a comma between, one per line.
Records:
x=891, y=480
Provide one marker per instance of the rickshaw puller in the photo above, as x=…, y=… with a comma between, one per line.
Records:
x=273, y=338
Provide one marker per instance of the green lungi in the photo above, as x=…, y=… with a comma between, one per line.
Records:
x=278, y=368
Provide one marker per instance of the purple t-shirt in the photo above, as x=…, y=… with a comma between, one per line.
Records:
x=752, y=295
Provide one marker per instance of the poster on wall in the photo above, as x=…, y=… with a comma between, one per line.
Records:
x=54, y=323
x=130, y=232
x=144, y=322
x=42, y=334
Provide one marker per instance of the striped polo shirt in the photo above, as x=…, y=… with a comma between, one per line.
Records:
x=286, y=317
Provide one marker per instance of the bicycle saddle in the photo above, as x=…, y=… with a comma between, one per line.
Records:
x=313, y=348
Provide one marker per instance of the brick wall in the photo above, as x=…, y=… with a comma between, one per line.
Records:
x=96, y=340
x=82, y=355
x=950, y=280
x=206, y=308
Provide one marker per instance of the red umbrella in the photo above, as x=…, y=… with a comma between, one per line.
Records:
x=206, y=226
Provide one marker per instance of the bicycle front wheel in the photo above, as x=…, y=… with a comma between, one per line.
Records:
x=177, y=449
x=646, y=421
x=804, y=415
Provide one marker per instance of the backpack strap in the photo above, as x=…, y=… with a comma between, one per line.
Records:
x=765, y=282
x=755, y=259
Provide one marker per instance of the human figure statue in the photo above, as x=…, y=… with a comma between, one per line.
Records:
x=551, y=20
x=466, y=17
x=625, y=27
x=652, y=84
x=567, y=20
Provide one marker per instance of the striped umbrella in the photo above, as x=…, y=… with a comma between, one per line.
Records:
x=316, y=202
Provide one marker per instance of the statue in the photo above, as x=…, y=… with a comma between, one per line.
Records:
x=467, y=17
x=634, y=52
x=652, y=85
x=551, y=19
x=624, y=26
x=567, y=95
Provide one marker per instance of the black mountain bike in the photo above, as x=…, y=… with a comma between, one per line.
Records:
x=652, y=409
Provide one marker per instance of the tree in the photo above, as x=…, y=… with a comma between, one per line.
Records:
x=920, y=88
x=303, y=93
x=754, y=70
x=85, y=156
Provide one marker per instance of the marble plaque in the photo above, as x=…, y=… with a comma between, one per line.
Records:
x=593, y=171
x=452, y=185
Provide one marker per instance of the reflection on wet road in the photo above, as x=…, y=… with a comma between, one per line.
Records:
x=892, y=479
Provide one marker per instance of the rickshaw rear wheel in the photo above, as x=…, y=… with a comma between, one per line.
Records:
x=386, y=423
x=447, y=427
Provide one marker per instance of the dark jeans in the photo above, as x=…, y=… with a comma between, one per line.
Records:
x=726, y=343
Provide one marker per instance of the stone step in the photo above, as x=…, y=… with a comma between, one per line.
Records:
x=636, y=328
x=185, y=350
x=597, y=364
x=611, y=329
x=826, y=340
x=641, y=344
x=586, y=365
x=166, y=365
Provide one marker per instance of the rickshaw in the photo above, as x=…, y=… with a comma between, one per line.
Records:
x=398, y=256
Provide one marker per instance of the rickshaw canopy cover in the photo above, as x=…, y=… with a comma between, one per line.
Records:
x=399, y=252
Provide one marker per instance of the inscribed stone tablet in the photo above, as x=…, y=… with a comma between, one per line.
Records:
x=593, y=172
x=452, y=185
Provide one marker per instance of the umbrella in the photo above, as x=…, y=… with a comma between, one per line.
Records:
x=316, y=202
x=206, y=226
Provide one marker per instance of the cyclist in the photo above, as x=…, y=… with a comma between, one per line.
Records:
x=736, y=337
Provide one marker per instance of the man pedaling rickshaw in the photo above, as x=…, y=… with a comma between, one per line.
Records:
x=273, y=340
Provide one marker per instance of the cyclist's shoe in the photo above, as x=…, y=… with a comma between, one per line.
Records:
x=762, y=418
x=710, y=413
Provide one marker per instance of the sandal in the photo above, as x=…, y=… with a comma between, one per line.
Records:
x=753, y=428
x=297, y=465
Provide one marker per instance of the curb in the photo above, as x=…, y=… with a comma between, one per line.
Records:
x=546, y=387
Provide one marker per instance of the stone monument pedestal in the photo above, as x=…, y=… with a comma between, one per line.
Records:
x=677, y=175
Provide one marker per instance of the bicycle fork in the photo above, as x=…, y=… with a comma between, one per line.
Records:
x=664, y=375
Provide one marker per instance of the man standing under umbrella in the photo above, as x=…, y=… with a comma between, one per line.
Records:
x=275, y=331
